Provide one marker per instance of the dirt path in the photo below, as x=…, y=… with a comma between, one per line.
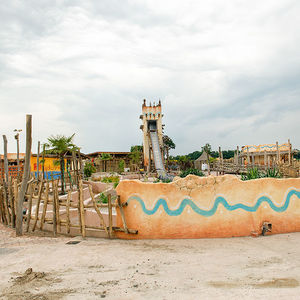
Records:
x=237, y=268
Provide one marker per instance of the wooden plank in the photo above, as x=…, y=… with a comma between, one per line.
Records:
x=54, y=210
x=97, y=209
x=122, y=215
x=41, y=188
x=290, y=151
x=43, y=159
x=81, y=209
x=57, y=206
x=29, y=206
x=46, y=199
x=26, y=174
x=38, y=161
x=68, y=211
x=12, y=202
x=109, y=215
x=2, y=205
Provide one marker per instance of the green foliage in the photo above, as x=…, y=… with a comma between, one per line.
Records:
x=121, y=166
x=194, y=155
x=207, y=148
x=168, y=142
x=60, y=144
x=103, y=198
x=297, y=155
x=88, y=169
x=191, y=171
x=274, y=173
x=254, y=173
x=165, y=180
x=105, y=156
x=138, y=148
x=136, y=154
x=111, y=179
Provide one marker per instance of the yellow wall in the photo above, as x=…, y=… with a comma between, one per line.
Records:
x=49, y=164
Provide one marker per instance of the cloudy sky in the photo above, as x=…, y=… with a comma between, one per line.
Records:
x=227, y=72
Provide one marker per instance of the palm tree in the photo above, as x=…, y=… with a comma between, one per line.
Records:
x=61, y=145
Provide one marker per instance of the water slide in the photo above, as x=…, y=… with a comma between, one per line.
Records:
x=159, y=165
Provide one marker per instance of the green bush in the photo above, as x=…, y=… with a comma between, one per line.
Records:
x=103, y=198
x=254, y=173
x=121, y=166
x=274, y=173
x=88, y=169
x=192, y=172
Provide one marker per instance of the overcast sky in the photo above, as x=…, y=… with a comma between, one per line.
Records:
x=227, y=72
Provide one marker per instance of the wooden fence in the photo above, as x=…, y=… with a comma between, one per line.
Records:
x=44, y=209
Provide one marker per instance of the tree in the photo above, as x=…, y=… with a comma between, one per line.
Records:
x=136, y=155
x=207, y=148
x=60, y=145
x=168, y=144
x=184, y=162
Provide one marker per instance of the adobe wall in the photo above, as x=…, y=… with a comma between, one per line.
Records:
x=203, y=207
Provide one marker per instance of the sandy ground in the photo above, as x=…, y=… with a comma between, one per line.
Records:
x=236, y=268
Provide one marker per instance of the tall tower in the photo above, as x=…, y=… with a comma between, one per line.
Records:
x=152, y=122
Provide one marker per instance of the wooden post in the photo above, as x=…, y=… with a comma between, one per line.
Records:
x=5, y=158
x=38, y=161
x=12, y=203
x=122, y=215
x=208, y=166
x=237, y=155
x=26, y=174
x=97, y=209
x=75, y=166
x=57, y=206
x=38, y=205
x=277, y=153
x=46, y=199
x=248, y=157
x=43, y=165
x=3, y=206
x=54, y=210
x=68, y=211
x=80, y=164
x=265, y=159
x=109, y=215
x=253, y=162
x=18, y=152
x=81, y=209
x=29, y=206
x=290, y=151
x=5, y=182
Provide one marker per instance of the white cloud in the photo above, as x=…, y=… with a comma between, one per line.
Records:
x=226, y=71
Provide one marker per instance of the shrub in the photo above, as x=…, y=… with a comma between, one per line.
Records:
x=192, y=172
x=274, y=173
x=103, y=198
x=88, y=169
x=254, y=173
x=121, y=166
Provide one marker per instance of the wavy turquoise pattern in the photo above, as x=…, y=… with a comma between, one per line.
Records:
x=218, y=201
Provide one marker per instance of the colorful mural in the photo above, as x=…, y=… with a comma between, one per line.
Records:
x=267, y=147
x=198, y=207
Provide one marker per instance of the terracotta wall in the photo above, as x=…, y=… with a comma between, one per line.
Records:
x=201, y=207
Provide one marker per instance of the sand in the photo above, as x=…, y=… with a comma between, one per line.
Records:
x=41, y=267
